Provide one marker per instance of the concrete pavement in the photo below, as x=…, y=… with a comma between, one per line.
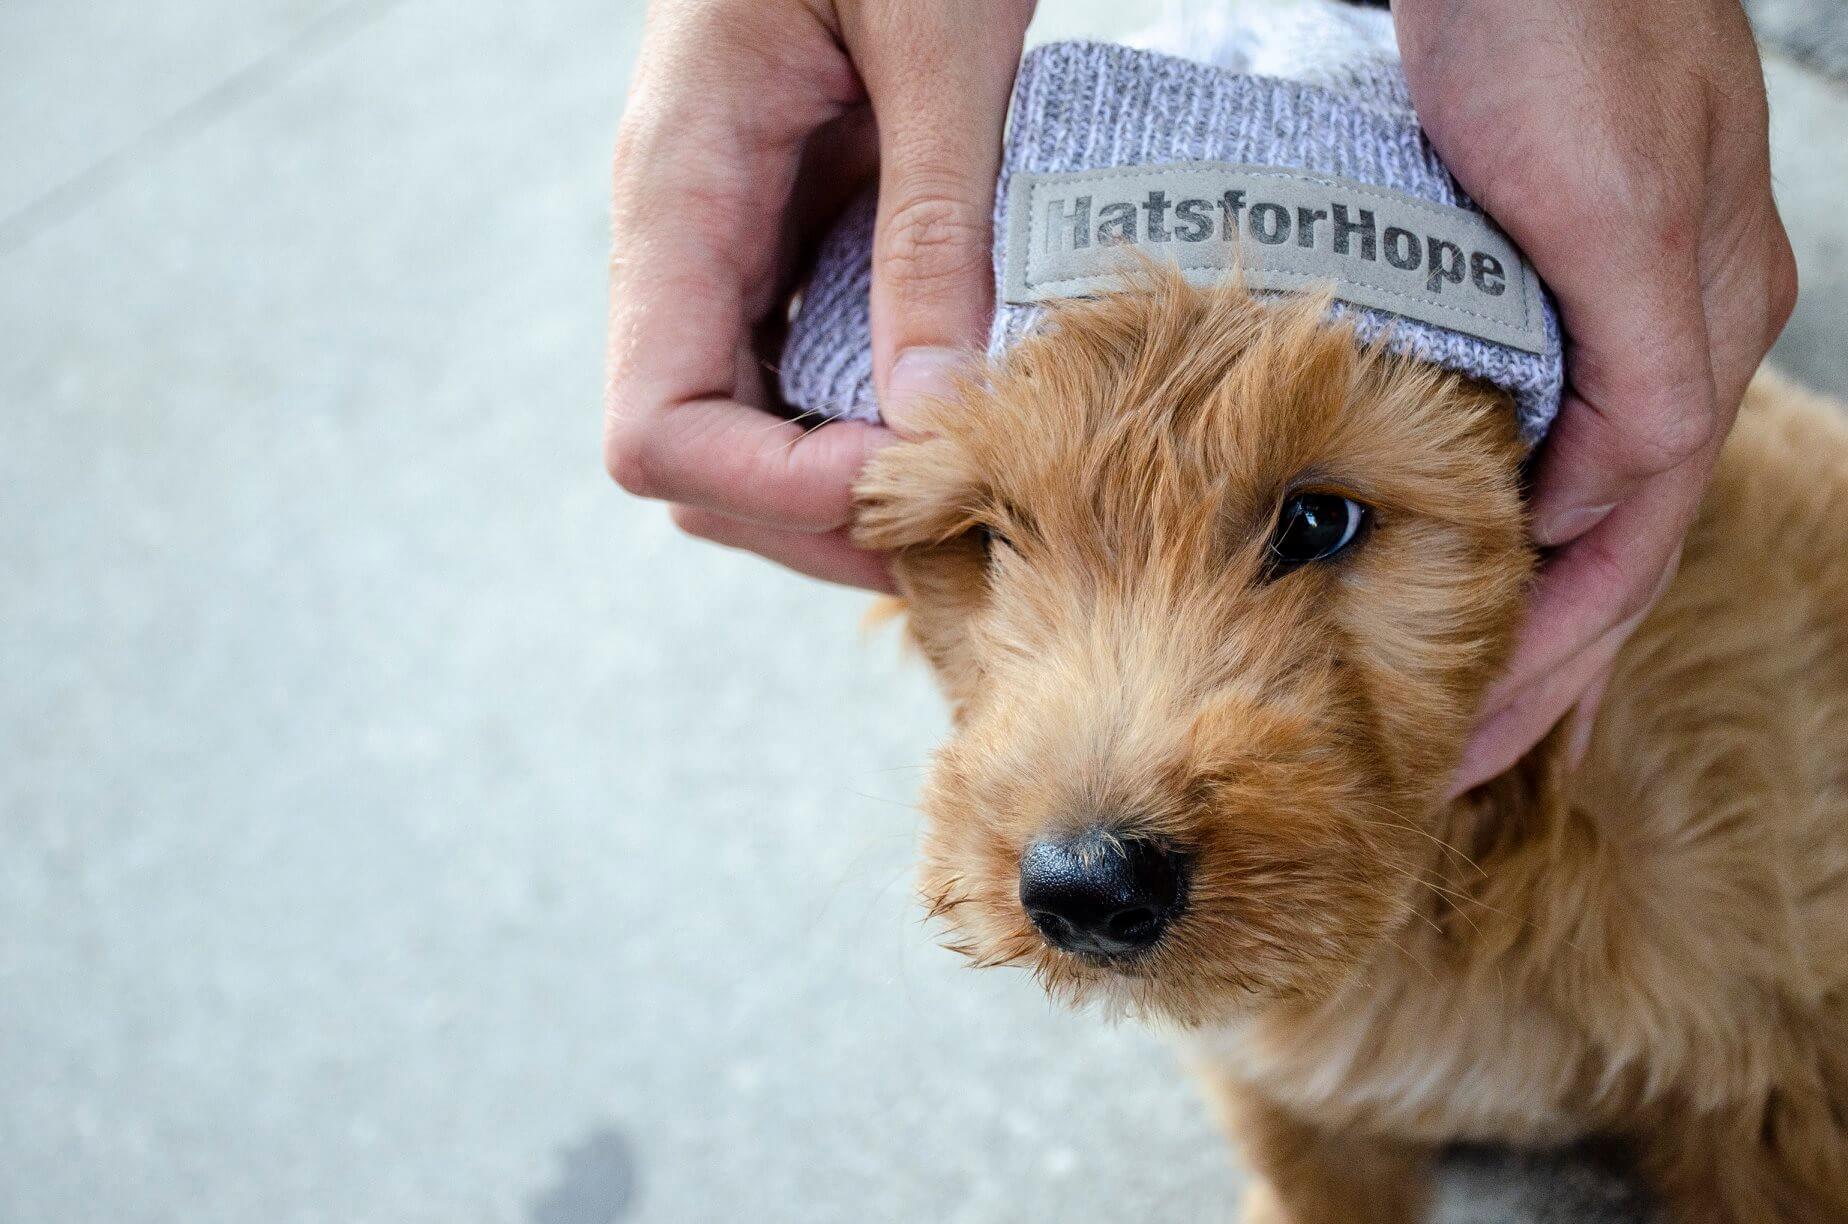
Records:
x=402, y=825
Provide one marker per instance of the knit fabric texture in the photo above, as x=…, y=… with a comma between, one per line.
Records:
x=1343, y=110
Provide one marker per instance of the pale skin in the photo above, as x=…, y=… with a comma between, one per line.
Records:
x=1623, y=146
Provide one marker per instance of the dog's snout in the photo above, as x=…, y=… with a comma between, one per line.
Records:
x=1100, y=893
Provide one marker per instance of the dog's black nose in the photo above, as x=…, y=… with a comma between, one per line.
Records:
x=1100, y=893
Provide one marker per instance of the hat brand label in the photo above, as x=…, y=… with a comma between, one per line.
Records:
x=1286, y=229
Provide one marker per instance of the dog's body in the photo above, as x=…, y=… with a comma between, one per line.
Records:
x=1655, y=946
x=1651, y=948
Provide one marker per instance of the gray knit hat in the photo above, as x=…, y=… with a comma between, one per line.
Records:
x=1324, y=180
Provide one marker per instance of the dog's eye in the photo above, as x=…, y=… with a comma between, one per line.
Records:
x=988, y=538
x=1315, y=526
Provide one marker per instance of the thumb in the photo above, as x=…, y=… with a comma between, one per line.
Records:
x=939, y=77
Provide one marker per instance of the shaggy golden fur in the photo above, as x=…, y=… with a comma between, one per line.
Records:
x=1652, y=948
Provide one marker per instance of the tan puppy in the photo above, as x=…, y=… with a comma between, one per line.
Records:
x=1214, y=592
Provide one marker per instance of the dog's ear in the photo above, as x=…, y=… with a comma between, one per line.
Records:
x=921, y=501
x=916, y=495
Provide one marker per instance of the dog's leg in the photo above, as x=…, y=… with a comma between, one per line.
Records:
x=1304, y=1174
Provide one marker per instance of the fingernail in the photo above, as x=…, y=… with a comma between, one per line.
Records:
x=1569, y=524
x=919, y=376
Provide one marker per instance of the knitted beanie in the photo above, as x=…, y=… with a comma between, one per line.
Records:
x=1284, y=149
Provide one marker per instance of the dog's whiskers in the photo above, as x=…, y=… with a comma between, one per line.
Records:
x=1428, y=835
x=888, y=800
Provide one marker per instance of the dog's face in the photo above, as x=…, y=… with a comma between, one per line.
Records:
x=1213, y=591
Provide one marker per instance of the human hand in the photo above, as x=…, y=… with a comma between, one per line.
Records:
x=1624, y=149
x=750, y=123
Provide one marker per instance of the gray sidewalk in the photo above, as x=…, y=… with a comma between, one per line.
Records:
x=401, y=825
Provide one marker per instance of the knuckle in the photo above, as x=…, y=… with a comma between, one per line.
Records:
x=1674, y=438
x=934, y=240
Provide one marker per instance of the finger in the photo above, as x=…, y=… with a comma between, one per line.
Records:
x=939, y=77
x=1506, y=736
x=1576, y=687
x=830, y=556
x=1528, y=704
x=1602, y=579
x=1642, y=404
x=1591, y=597
x=1585, y=716
x=750, y=465
x=697, y=200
